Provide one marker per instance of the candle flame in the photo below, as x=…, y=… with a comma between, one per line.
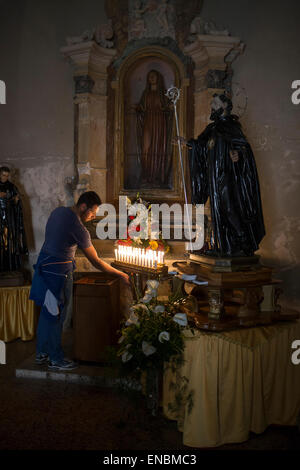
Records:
x=139, y=256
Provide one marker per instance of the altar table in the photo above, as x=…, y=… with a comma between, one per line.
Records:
x=241, y=381
x=17, y=314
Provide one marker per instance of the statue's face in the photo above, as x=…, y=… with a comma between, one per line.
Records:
x=4, y=176
x=217, y=104
x=152, y=78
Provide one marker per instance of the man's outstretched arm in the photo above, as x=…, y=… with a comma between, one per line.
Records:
x=98, y=263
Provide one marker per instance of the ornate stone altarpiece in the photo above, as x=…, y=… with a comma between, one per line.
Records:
x=198, y=56
x=172, y=32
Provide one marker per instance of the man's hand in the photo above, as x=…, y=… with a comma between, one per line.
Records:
x=92, y=256
x=16, y=198
x=125, y=279
x=2, y=194
x=234, y=155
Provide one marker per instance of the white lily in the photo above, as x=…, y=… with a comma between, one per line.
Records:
x=146, y=298
x=126, y=356
x=147, y=348
x=163, y=336
x=159, y=309
x=181, y=319
x=137, y=306
x=132, y=320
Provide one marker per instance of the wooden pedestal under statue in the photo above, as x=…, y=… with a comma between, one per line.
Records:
x=240, y=292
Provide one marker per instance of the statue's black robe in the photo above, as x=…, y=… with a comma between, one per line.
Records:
x=233, y=188
x=12, y=234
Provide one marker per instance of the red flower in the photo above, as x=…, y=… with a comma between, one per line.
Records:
x=138, y=228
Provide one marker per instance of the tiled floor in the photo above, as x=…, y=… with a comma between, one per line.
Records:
x=54, y=413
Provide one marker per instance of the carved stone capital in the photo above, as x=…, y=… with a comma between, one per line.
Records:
x=89, y=59
x=212, y=53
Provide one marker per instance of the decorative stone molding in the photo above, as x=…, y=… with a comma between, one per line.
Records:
x=88, y=57
x=83, y=84
x=212, y=53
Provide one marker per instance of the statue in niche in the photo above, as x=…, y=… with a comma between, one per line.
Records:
x=12, y=233
x=222, y=168
x=154, y=131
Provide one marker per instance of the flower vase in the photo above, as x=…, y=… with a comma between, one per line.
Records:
x=152, y=389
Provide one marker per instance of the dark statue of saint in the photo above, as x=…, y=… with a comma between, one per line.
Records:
x=12, y=234
x=223, y=168
x=154, y=131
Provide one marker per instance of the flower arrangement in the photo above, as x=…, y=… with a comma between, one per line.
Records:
x=152, y=335
x=152, y=338
x=139, y=227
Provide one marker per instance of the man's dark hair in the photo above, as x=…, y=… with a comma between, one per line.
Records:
x=4, y=169
x=90, y=198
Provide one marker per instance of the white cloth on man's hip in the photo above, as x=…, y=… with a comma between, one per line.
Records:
x=51, y=303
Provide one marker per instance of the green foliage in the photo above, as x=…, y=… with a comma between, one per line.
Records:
x=151, y=336
x=150, y=325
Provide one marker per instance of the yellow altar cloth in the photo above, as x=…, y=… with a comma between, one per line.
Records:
x=17, y=316
x=241, y=381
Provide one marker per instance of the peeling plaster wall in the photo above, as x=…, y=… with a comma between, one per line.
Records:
x=36, y=124
x=37, y=121
x=271, y=61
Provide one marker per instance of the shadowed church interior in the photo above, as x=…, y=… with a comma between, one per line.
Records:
x=168, y=343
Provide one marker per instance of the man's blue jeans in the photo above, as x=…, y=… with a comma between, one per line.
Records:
x=49, y=331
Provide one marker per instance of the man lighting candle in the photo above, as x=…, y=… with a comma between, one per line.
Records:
x=52, y=282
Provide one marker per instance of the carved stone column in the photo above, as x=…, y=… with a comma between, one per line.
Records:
x=212, y=56
x=89, y=62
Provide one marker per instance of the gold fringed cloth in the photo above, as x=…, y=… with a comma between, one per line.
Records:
x=241, y=381
x=17, y=316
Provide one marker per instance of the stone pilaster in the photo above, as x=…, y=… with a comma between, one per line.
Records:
x=89, y=62
x=212, y=56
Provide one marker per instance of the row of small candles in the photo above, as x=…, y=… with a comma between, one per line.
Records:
x=139, y=256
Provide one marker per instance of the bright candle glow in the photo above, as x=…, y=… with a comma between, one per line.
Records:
x=139, y=256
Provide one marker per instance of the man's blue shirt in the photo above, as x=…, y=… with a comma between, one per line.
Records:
x=64, y=232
